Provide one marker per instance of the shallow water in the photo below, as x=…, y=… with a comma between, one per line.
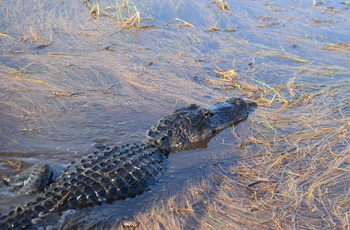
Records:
x=70, y=80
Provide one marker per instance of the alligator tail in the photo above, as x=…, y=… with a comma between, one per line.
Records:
x=106, y=175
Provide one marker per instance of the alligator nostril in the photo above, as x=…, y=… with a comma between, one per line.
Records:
x=239, y=101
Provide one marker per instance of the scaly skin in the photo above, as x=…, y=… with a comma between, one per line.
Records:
x=193, y=124
x=105, y=175
x=115, y=173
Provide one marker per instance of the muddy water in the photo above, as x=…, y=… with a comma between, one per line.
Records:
x=71, y=79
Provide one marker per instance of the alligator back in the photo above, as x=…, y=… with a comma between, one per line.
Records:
x=105, y=175
x=116, y=173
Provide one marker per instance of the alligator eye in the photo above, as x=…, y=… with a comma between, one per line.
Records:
x=19, y=209
x=208, y=113
x=239, y=101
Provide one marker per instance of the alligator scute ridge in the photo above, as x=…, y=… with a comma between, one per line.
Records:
x=114, y=173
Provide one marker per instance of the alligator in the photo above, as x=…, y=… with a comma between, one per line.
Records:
x=114, y=173
x=30, y=181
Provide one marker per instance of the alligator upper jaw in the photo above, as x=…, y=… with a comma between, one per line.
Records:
x=227, y=113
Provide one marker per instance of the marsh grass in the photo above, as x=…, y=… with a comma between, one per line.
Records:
x=125, y=13
x=290, y=169
x=292, y=173
x=223, y=5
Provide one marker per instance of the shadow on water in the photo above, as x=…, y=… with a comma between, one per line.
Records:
x=76, y=73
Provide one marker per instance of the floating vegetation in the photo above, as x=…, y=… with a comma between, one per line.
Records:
x=227, y=74
x=340, y=47
x=182, y=22
x=125, y=13
x=276, y=93
x=4, y=35
x=223, y=5
x=279, y=54
x=72, y=73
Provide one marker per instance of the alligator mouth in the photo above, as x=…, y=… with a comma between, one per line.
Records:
x=228, y=113
x=252, y=105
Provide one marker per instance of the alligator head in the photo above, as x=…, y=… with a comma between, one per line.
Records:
x=192, y=124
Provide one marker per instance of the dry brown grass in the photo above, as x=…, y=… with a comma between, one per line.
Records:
x=293, y=173
x=293, y=170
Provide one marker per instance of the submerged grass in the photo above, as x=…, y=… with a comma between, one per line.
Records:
x=292, y=168
x=284, y=179
x=276, y=93
x=223, y=5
